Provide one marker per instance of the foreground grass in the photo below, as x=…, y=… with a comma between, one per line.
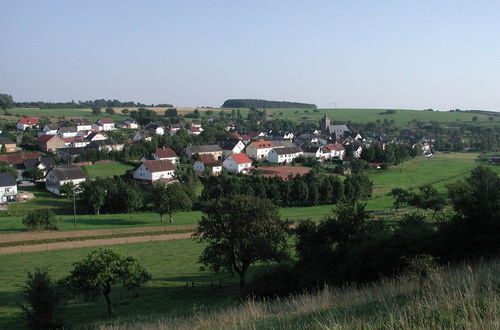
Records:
x=171, y=263
x=456, y=298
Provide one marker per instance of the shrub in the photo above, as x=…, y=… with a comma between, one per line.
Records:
x=40, y=219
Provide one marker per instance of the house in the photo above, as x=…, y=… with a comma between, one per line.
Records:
x=282, y=136
x=284, y=155
x=96, y=136
x=239, y=163
x=315, y=151
x=7, y=145
x=75, y=142
x=231, y=146
x=65, y=132
x=141, y=135
x=70, y=155
x=106, y=145
x=173, y=129
x=8, y=188
x=193, y=130
x=61, y=175
x=212, y=149
x=165, y=154
x=337, y=151
x=259, y=149
x=44, y=164
x=156, y=128
x=256, y=134
x=338, y=130
x=311, y=138
x=50, y=143
x=105, y=124
x=81, y=124
x=50, y=129
x=283, y=144
x=130, y=124
x=28, y=122
x=154, y=170
x=207, y=161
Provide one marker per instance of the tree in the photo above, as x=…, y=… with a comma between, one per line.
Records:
x=33, y=174
x=110, y=111
x=125, y=112
x=102, y=269
x=170, y=199
x=45, y=301
x=38, y=219
x=95, y=194
x=6, y=102
x=96, y=110
x=67, y=189
x=400, y=195
x=239, y=231
x=171, y=113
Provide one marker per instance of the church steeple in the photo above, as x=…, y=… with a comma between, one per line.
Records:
x=324, y=123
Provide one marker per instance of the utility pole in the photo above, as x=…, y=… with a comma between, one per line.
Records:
x=74, y=207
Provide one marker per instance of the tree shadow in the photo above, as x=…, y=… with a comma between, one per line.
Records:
x=105, y=222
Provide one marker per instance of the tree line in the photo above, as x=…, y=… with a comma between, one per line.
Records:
x=102, y=103
x=257, y=103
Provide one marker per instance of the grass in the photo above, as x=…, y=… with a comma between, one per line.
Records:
x=60, y=113
x=456, y=298
x=171, y=263
x=106, y=169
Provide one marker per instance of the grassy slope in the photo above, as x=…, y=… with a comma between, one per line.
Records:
x=458, y=298
x=106, y=170
x=57, y=113
x=172, y=264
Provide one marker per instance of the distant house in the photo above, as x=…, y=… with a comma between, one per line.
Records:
x=70, y=155
x=8, y=144
x=60, y=175
x=282, y=136
x=106, y=145
x=65, y=132
x=238, y=163
x=194, y=130
x=284, y=155
x=315, y=151
x=105, y=124
x=75, y=142
x=337, y=151
x=81, y=124
x=338, y=130
x=50, y=129
x=156, y=128
x=259, y=149
x=283, y=144
x=311, y=138
x=231, y=146
x=50, y=143
x=28, y=122
x=212, y=149
x=165, y=154
x=96, y=136
x=173, y=129
x=207, y=161
x=8, y=188
x=141, y=135
x=16, y=160
x=130, y=124
x=44, y=164
x=154, y=170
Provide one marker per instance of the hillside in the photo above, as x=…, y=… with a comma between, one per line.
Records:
x=248, y=103
x=464, y=297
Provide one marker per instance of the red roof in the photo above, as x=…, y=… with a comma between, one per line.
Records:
x=106, y=121
x=241, y=158
x=262, y=144
x=29, y=121
x=208, y=159
x=69, y=140
x=165, y=153
x=45, y=138
x=18, y=158
x=236, y=135
x=159, y=165
x=194, y=129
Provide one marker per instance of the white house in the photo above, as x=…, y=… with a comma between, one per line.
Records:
x=231, y=146
x=339, y=130
x=65, y=132
x=284, y=155
x=317, y=152
x=212, y=149
x=138, y=136
x=165, y=154
x=239, y=163
x=207, y=161
x=154, y=170
x=60, y=175
x=259, y=149
x=95, y=136
x=50, y=129
x=336, y=151
x=24, y=123
x=130, y=124
x=105, y=124
x=82, y=124
x=8, y=188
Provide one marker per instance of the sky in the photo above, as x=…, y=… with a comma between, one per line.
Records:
x=349, y=54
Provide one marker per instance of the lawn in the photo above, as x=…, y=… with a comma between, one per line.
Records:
x=106, y=169
x=171, y=263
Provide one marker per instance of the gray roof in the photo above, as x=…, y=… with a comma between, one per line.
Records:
x=339, y=128
x=229, y=144
x=68, y=172
x=284, y=143
x=68, y=129
x=204, y=148
x=4, y=140
x=80, y=121
x=288, y=150
x=7, y=180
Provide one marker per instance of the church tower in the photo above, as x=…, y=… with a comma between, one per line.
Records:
x=324, y=123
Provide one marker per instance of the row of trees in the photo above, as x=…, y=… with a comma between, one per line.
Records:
x=249, y=103
x=392, y=154
x=308, y=189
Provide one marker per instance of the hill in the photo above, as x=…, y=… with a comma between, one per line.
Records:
x=464, y=297
x=248, y=103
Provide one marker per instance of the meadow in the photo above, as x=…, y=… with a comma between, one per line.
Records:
x=106, y=169
x=171, y=263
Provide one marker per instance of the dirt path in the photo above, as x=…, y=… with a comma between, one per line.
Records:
x=92, y=242
x=44, y=235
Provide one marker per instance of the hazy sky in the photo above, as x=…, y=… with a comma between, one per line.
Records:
x=442, y=54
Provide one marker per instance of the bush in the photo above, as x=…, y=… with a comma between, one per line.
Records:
x=278, y=282
x=45, y=301
x=40, y=219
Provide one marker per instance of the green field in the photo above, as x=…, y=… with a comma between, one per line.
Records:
x=106, y=170
x=172, y=264
x=59, y=113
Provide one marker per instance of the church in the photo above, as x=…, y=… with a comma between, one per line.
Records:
x=326, y=127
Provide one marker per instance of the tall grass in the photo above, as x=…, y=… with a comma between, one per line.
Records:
x=466, y=297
